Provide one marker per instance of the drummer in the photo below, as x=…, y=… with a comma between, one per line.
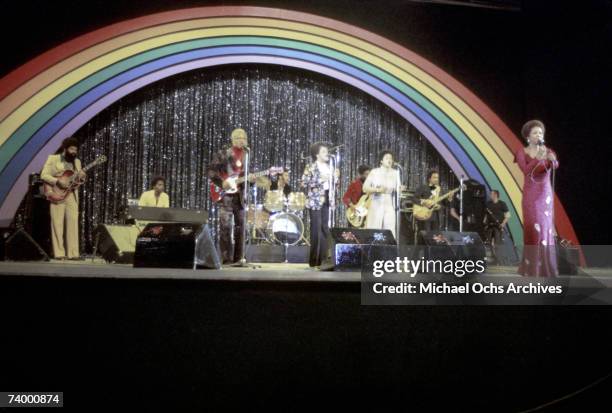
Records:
x=281, y=182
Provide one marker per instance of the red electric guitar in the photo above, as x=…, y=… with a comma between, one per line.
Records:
x=217, y=193
x=56, y=194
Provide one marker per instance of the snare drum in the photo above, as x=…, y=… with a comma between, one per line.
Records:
x=274, y=201
x=285, y=228
x=297, y=201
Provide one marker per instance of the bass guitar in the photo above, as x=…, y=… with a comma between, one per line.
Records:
x=216, y=193
x=357, y=213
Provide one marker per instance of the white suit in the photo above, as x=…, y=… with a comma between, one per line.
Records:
x=381, y=214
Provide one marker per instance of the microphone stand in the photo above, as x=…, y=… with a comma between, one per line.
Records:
x=331, y=219
x=245, y=193
x=398, y=202
x=461, y=204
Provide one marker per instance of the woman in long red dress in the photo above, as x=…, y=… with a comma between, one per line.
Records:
x=537, y=162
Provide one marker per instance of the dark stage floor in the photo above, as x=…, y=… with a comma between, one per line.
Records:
x=280, y=334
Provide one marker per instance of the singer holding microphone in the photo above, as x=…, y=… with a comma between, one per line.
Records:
x=382, y=182
x=318, y=182
x=537, y=162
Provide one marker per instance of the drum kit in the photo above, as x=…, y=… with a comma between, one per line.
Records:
x=279, y=218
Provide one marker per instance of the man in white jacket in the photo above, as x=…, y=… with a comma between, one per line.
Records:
x=64, y=214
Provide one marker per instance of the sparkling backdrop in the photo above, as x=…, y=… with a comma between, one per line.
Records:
x=173, y=127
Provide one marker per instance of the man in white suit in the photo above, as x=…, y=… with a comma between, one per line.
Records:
x=65, y=214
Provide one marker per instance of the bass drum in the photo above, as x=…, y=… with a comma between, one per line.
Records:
x=285, y=228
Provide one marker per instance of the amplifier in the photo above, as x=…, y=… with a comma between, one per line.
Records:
x=176, y=245
x=351, y=246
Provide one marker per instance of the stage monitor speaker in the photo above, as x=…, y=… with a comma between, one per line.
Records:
x=116, y=243
x=176, y=245
x=362, y=236
x=351, y=246
x=453, y=245
x=568, y=259
x=20, y=246
x=266, y=253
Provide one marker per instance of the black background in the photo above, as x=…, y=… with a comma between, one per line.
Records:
x=550, y=60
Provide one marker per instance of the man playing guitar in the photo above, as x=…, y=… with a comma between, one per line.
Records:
x=225, y=164
x=424, y=194
x=64, y=213
x=354, y=192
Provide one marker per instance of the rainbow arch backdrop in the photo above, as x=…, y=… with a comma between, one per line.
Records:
x=52, y=96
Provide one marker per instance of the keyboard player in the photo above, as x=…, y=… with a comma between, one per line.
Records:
x=156, y=197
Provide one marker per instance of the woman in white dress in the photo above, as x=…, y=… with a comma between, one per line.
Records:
x=381, y=184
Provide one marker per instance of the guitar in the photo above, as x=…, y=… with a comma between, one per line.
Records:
x=216, y=193
x=357, y=213
x=57, y=194
x=423, y=213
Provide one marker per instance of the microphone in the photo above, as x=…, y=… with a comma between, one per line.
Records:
x=540, y=142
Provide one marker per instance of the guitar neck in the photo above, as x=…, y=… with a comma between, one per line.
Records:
x=88, y=166
x=446, y=195
x=255, y=174
x=98, y=161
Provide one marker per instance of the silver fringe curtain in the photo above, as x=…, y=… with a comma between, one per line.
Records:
x=173, y=127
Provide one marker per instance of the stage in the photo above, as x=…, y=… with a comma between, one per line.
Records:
x=281, y=272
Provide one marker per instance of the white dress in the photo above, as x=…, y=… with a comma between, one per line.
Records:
x=381, y=214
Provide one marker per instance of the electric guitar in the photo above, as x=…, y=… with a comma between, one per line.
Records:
x=357, y=213
x=423, y=213
x=56, y=194
x=217, y=193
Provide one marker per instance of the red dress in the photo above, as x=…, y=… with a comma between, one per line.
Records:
x=539, y=253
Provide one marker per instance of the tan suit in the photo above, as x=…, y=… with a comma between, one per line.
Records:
x=148, y=199
x=64, y=214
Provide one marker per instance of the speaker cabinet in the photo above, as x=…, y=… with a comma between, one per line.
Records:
x=20, y=246
x=568, y=259
x=351, y=246
x=453, y=245
x=176, y=245
x=116, y=243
